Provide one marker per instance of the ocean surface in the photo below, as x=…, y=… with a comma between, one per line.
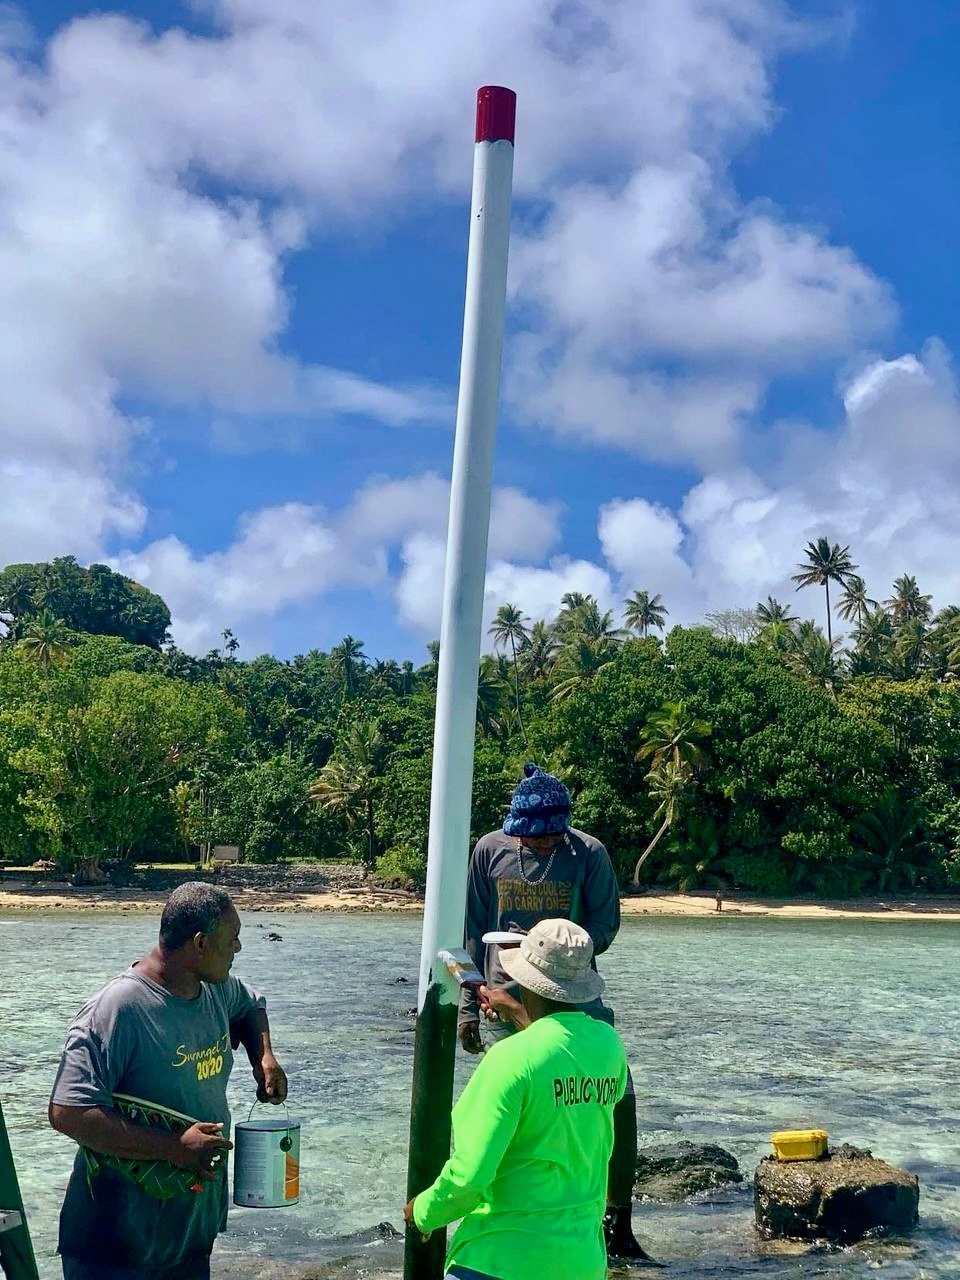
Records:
x=735, y=1026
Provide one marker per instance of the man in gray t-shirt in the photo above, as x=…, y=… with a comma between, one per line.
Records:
x=163, y=1031
x=538, y=867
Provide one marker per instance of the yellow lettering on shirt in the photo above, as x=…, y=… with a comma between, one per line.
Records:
x=209, y=1061
x=553, y=896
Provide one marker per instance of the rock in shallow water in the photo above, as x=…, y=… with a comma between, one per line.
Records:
x=842, y=1197
x=675, y=1170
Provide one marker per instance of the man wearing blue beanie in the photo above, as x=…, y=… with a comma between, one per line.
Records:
x=538, y=867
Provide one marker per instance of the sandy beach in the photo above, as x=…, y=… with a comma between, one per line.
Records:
x=23, y=895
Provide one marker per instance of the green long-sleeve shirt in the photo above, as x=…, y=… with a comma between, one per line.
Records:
x=533, y=1131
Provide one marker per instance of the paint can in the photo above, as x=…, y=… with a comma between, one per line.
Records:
x=266, y=1162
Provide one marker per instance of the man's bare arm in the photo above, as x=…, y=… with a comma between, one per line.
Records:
x=200, y=1148
x=253, y=1032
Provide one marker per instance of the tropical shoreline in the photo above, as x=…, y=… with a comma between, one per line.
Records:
x=27, y=897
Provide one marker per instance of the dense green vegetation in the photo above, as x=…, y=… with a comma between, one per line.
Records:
x=754, y=750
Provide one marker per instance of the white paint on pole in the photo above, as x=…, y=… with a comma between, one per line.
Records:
x=468, y=528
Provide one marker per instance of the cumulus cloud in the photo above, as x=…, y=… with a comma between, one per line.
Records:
x=883, y=483
x=283, y=555
x=669, y=267
x=47, y=509
x=349, y=109
x=295, y=553
x=537, y=590
x=120, y=278
x=735, y=538
x=154, y=187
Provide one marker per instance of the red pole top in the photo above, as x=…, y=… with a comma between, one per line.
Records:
x=496, y=114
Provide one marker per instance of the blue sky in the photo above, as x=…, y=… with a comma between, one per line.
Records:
x=235, y=248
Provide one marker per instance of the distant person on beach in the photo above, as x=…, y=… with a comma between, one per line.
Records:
x=162, y=1031
x=719, y=898
x=538, y=867
x=533, y=1129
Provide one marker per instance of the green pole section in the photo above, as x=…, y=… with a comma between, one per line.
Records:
x=16, y=1251
x=431, y=1104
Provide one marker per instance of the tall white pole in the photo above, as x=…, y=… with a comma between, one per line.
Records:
x=463, y=589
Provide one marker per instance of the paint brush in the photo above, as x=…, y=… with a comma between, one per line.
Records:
x=459, y=964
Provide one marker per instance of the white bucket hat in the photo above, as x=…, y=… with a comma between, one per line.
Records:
x=553, y=961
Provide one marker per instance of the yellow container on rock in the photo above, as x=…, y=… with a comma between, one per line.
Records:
x=799, y=1144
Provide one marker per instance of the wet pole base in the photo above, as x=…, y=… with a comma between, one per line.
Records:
x=431, y=1103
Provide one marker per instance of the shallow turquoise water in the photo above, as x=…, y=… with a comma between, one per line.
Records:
x=735, y=1027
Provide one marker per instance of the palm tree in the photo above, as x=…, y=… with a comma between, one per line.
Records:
x=45, y=641
x=385, y=675
x=490, y=692
x=643, y=611
x=597, y=626
x=773, y=611
x=574, y=600
x=509, y=627
x=826, y=563
x=815, y=657
x=347, y=660
x=540, y=651
x=699, y=854
x=855, y=603
x=912, y=647
x=891, y=832
x=907, y=601
x=579, y=664
x=573, y=603
x=348, y=781
x=779, y=636
x=668, y=783
x=874, y=638
x=945, y=641
x=673, y=734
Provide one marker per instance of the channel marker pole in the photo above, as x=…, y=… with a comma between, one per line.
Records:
x=452, y=782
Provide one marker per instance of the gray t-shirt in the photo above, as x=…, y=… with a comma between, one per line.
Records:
x=134, y=1037
x=508, y=889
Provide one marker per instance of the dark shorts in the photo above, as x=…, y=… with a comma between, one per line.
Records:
x=80, y=1269
x=464, y=1273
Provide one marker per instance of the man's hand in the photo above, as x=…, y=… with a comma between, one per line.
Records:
x=409, y=1219
x=470, y=1036
x=202, y=1148
x=498, y=1003
x=271, y=1080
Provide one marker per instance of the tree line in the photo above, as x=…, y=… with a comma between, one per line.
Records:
x=755, y=750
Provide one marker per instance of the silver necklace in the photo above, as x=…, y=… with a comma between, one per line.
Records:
x=543, y=874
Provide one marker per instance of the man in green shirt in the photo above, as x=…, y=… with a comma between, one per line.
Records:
x=533, y=1129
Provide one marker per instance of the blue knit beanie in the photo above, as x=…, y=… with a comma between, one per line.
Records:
x=540, y=805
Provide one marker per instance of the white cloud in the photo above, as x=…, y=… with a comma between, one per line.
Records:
x=662, y=417
x=283, y=555
x=154, y=187
x=737, y=536
x=45, y=510
x=349, y=105
x=119, y=278
x=643, y=544
x=669, y=267
x=537, y=590
x=884, y=484
x=392, y=510
x=294, y=553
